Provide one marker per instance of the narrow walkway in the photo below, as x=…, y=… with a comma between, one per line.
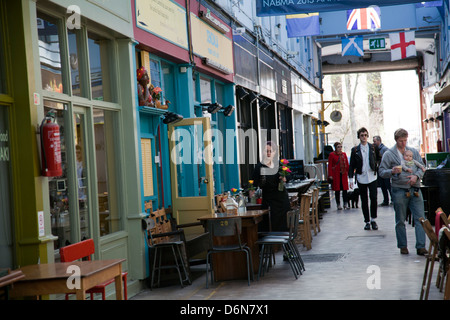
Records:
x=342, y=264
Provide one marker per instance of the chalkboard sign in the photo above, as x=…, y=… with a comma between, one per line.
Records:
x=298, y=170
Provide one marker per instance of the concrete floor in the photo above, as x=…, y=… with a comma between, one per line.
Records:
x=342, y=264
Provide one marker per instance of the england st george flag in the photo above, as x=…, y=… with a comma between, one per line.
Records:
x=403, y=45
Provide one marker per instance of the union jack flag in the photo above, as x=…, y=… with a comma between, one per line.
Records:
x=365, y=18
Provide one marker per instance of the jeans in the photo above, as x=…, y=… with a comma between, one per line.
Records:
x=401, y=204
x=365, y=200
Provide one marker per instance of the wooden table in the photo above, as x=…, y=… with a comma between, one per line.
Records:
x=232, y=265
x=53, y=278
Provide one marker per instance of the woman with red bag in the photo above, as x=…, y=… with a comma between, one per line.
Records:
x=338, y=175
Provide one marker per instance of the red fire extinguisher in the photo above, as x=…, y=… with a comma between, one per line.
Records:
x=50, y=146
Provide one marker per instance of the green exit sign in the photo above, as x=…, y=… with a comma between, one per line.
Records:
x=377, y=43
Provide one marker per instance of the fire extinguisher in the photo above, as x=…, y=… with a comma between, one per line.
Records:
x=50, y=146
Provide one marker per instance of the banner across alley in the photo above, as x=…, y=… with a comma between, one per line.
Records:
x=285, y=7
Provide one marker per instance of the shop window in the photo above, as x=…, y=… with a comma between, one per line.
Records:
x=6, y=235
x=49, y=53
x=100, y=51
x=2, y=63
x=105, y=123
x=76, y=74
x=205, y=90
x=155, y=73
x=60, y=188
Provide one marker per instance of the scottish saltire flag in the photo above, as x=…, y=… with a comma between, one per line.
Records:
x=365, y=18
x=352, y=46
x=301, y=25
x=403, y=45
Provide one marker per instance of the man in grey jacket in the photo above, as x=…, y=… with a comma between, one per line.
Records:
x=401, y=183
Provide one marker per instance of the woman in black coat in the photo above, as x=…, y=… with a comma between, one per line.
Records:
x=266, y=176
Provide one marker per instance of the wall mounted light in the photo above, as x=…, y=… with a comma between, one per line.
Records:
x=211, y=107
x=440, y=117
x=263, y=104
x=241, y=93
x=171, y=117
x=228, y=110
x=253, y=96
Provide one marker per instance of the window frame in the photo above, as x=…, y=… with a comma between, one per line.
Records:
x=86, y=101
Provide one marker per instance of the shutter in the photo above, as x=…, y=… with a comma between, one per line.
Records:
x=147, y=166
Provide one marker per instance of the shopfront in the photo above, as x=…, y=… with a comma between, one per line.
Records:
x=189, y=62
x=66, y=79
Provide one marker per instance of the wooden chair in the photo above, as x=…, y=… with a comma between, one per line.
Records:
x=431, y=258
x=443, y=217
x=84, y=250
x=304, y=227
x=442, y=220
x=314, y=211
x=173, y=243
x=447, y=286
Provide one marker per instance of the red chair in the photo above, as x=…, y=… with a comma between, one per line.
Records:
x=85, y=249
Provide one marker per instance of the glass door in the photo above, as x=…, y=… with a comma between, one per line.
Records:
x=82, y=181
x=191, y=169
x=69, y=205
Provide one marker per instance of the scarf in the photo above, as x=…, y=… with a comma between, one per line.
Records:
x=341, y=162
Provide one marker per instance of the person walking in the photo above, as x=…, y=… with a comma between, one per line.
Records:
x=391, y=167
x=266, y=176
x=363, y=164
x=338, y=175
x=385, y=184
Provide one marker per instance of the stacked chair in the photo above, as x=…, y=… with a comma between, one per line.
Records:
x=287, y=240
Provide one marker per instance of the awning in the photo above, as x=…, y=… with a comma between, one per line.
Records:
x=443, y=95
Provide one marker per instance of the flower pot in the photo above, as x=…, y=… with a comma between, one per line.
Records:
x=161, y=106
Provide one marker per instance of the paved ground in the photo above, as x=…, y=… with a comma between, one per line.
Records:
x=344, y=263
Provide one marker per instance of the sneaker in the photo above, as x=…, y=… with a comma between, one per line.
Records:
x=367, y=226
x=374, y=225
x=339, y=208
x=404, y=250
x=422, y=252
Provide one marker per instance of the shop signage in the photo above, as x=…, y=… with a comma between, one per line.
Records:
x=213, y=22
x=41, y=223
x=285, y=7
x=215, y=48
x=163, y=18
x=4, y=149
x=377, y=43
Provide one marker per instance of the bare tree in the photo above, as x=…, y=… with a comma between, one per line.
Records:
x=351, y=92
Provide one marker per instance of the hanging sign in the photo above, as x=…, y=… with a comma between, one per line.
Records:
x=284, y=7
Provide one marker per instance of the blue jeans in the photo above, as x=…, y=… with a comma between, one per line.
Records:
x=401, y=204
